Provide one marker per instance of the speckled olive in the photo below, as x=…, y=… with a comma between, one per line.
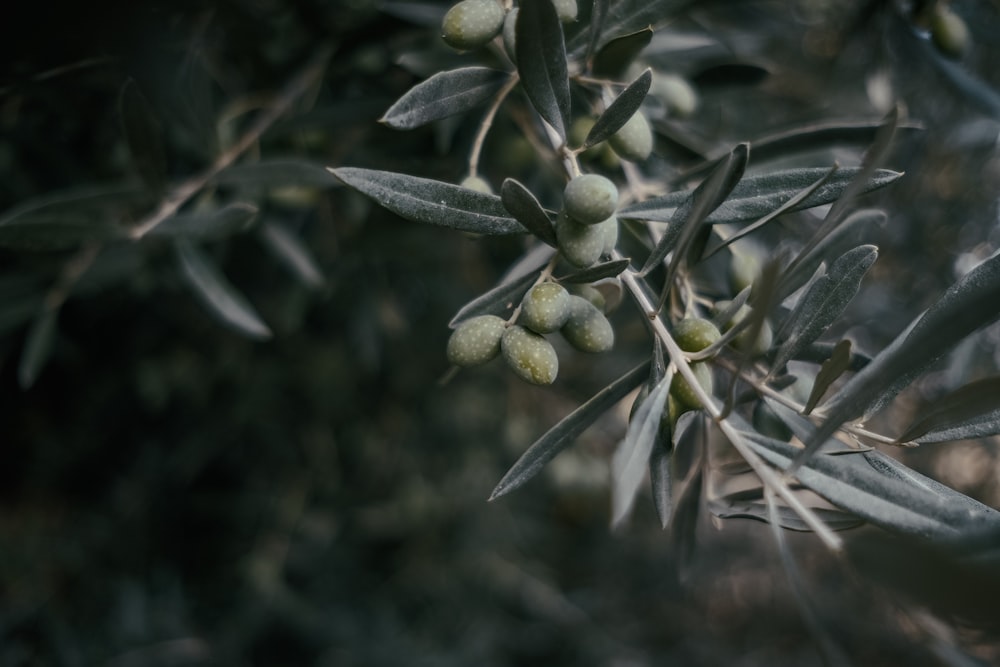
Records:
x=529, y=355
x=475, y=341
x=587, y=329
x=545, y=308
x=590, y=198
x=470, y=24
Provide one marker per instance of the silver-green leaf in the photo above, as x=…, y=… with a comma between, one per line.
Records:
x=444, y=94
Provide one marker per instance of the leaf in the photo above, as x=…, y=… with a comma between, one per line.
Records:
x=627, y=16
x=426, y=14
x=37, y=346
x=500, y=300
x=521, y=204
x=621, y=110
x=541, y=63
x=432, y=202
x=275, y=173
x=756, y=196
x=972, y=411
x=611, y=269
x=825, y=301
x=143, y=135
x=598, y=14
x=741, y=508
x=628, y=466
x=615, y=56
x=818, y=353
x=444, y=94
x=66, y=218
x=289, y=249
x=226, y=221
x=684, y=522
x=829, y=371
x=969, y=304
x=223, y=300
x=660, y=479
x=566, y=431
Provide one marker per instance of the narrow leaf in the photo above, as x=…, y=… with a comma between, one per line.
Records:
x=275, y=173
x=611, y=269
x=444, y=94
x=143, y=136
x=598, y=14
x=432, y=202
x=541, y=62
x=223, y=300
x=621, y=110
x=684, y=522
x=521, y=204
x=741, y=508
x=756, y=196
x=972, y=411
x=615, y=56
x=628, y=466
x=566, y=431
x=289, y=249
x=624, y=17
x=37, y=346
x=226, y=221
x=829, y=372
x=501, y=300
x=825, y=301
x=818, y=353
x=969, y=304
x=660, y=478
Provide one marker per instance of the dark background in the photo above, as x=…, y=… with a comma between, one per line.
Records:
x=172, y=494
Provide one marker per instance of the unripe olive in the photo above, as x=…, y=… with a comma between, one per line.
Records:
x=593, y=295
x=694, y=334
x=472, y=23
x=566, y=10
x=476, y=183
x=510, y=34
x=590, y=198
x=475, y=341
x=529, y=355
x=545, y=308
x=682, y=392
x=610, y=230
x=587, y=329
x=634, y=141
x=580, y=244
x=676, y=94
x=949, y=31
x=742, y=341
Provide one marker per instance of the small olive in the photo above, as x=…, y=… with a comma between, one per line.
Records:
x=471, y=24
x=545, y=308
x=529, y=355
x=475, y=341
x=590, y=198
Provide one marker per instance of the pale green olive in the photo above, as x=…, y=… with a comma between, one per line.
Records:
x=529, y=355
x=475, y=341
x=471, y=24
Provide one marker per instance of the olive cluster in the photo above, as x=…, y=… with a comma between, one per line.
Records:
x=547, y=308
x=587, y=226
x=471, y=24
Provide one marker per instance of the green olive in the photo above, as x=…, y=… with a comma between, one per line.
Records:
x=477, y=183
x=590, y=198
x=545, y=308
x=682, y=392
x=475, y=341
x=634, y=141
x=529, y=355
x=694, y=334
x=949, y=31
x=471, y=24
x=742, y=341
x=566, y=10
x=587, y=329
x=580, y=244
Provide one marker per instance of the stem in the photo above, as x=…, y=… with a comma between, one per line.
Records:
x=180, y=195
x=487, y=122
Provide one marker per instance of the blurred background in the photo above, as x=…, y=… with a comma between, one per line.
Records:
x=174, y=494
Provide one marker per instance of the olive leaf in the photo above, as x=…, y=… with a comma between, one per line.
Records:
x=566, y=431
x=289, y=249
x=972, y=411
x=661, y=479
x=432, y=202
x=969, y=304
x=744, y=506
x=598, y=15
x=756, y=196
x=541, y=62
x=226, y=221
x=829, y=372
x=444, y=94
x=143, y=136
x=501, y=300
x=622, y=18
x=610, y=269
x=37, y=346
x=67, y=218
x=521, y=204
x=277, y=172
x=223, y=300
x=620, y=110
x=824, y=301
x=629, y=463
x=615, y=56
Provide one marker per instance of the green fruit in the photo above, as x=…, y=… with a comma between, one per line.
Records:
x=476, y=183
x=694, y=334
x=610, y=232
x=475, y=341
x=742, y=341
x=744, y=269
x=472, y=23
x=634, y=141
x=587, y=329
x=590, y=198
x=681, y=391
x=545, y=308
x=510, y=35
x=675, y=93
x=949, y=32
x=529, y=355
x=580, y=244
x=566, y=10
x=591, y=294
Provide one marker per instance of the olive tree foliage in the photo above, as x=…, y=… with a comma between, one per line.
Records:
x=762, y=417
